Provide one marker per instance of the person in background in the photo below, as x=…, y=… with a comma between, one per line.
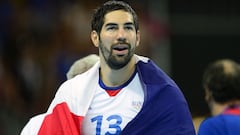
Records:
x=221, y=82
x=82, y=65
x=123, y=93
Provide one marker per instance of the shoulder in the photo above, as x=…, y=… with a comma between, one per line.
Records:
x=148, y=68
x=159, y=83
x=151, y=73
x=82, y=79
x=76, y=86
x=212, y=126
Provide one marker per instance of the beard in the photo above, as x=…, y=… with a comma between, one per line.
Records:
x=116, y=61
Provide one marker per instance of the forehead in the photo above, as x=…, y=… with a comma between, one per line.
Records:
x=118, y=16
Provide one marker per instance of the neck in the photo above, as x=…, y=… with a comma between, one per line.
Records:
x=220, y=108
x=113, y=78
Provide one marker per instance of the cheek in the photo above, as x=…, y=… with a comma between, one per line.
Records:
x=106, y=39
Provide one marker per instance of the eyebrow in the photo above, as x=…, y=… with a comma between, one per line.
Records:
x=129, y=23
x=110, y=24
x=114, y=24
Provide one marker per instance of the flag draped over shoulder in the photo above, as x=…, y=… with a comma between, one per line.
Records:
x=164, y=112
x=68, y=108
x=61, y=121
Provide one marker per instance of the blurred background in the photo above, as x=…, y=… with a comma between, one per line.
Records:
x=40, y=39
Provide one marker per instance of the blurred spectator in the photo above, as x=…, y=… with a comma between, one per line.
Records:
x=221, y=81
x=82, y=65
x=12, y=108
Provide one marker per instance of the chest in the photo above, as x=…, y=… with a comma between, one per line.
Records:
x=110, y=113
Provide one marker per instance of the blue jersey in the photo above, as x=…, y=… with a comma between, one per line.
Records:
x=224, y=124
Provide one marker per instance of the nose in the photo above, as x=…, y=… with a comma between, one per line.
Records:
x=121, y=36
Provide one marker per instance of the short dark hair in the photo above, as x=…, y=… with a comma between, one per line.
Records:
x=222, y=78
x=112, y=5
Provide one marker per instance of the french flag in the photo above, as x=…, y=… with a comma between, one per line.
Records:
x=164, y=112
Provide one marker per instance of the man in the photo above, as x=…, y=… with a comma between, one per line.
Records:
x=123, y=93
x=221, y=82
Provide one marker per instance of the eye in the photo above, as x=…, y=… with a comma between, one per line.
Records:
x=129, y=27
x=111, y=27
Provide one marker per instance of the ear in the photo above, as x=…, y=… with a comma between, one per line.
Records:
x=138, y=38
x=208, y=94
x=95, y=38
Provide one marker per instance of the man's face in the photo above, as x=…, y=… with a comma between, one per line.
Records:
x=118, y=39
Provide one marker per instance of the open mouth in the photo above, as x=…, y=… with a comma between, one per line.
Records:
x=120, y=49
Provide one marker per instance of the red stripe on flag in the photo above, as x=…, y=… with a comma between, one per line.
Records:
x=61, y=122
